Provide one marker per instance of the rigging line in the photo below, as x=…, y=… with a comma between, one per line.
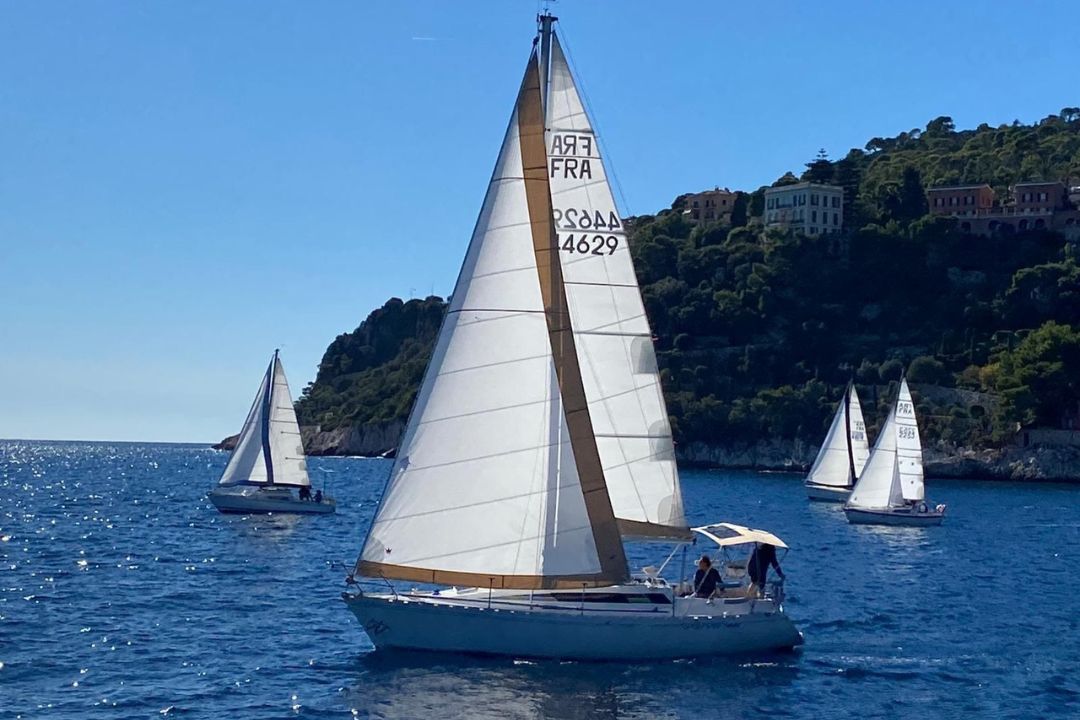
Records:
x=596, y=125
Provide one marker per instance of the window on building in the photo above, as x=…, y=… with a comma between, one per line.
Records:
x=836, y=201
x=1042, y=196
x=813, y=216
x=695, y=203
x=813, y=231
x=813, y=199
x=836, y=218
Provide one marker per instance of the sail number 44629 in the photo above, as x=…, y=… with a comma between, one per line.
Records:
x=590, y=244
x=574, y=219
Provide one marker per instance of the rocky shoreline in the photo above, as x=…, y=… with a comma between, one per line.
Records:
x=1057, y=463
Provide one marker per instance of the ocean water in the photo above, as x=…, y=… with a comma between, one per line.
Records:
x=124, y=594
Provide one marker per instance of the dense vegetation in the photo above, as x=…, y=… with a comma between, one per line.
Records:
x=758, y=331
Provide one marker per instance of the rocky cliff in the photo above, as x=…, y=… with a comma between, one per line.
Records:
x=370, y=440
x=1034, y=463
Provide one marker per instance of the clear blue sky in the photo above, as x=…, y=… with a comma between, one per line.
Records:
x=185, y=186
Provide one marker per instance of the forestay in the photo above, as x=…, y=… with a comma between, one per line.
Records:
x=497, y=482
x=611, y=332
x=269, y=450
x=908, y=447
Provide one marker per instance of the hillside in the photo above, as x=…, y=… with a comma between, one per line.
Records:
x=758, y=330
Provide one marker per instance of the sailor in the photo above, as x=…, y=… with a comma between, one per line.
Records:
x=706, y=579
x=318, y=496
x=305, y=492
x=763, y=556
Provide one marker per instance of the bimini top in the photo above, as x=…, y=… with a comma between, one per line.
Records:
x=727, y=534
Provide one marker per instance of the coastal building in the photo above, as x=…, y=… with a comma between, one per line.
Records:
x=1030, y=206
x=710, y=206
x=960, y=200
x=808, y=208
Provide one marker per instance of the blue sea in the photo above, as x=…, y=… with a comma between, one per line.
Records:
x=124, y=594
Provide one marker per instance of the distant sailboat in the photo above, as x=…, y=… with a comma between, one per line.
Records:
x=891, y=489
x=269, y=457
x=539, y=439
x=843, y=454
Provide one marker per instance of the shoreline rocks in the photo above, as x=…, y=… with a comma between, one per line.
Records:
x=1036, y=463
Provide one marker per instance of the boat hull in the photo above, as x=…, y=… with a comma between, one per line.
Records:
x=859, y=516
x=827, y=493
x=254, y=503
x=403, y=623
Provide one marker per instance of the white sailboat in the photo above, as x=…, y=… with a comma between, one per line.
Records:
x=268, y=462
x=843, y=454
x=539, y=439
x=891, y=489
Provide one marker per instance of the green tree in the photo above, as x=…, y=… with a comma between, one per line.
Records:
x=1040, y=378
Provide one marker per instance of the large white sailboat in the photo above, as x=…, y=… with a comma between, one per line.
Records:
x=268, y=462
x=843, y=454
x=891, y=490
x=539, y=439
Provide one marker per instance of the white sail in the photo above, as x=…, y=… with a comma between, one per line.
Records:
x=833, y=465
x=860, y=446
x=269, y=450
x=247, y=464
x=286, y=446
x=908, y=446
x=611, y=331
x=879, y=485
x=487, y=488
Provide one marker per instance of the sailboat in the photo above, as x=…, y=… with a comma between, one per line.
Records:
x=891, y=489
x=539, y=441
x=843, y=454
x=268, y=462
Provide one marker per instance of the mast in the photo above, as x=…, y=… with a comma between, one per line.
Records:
x=847, y=431
x=545, y=21
x=266, y=411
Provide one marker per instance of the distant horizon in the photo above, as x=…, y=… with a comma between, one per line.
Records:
x=188, y=187
x=107, y=442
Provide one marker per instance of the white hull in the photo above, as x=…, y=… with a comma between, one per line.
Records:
x=827, y=493
x=268, y=502
x=897, y=516
x=608, y=632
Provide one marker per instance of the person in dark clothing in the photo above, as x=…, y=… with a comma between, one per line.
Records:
x=706, y=579
x=305, y=492
x=758, y=568
x=318, y=496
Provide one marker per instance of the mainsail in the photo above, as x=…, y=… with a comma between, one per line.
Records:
x=908, y=447
x=269, y=450
x=860, y=446
x=498, y=480
x=843, y=455
x=611, y=332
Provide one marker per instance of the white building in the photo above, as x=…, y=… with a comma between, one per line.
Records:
x=808, y=208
